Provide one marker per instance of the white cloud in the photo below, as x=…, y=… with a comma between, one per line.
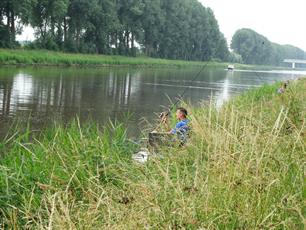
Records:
x=281, y=21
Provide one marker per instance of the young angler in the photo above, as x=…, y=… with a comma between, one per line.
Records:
x=182, y=126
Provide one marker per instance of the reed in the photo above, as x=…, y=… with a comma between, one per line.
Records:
x=243, y=168
x=52, y=58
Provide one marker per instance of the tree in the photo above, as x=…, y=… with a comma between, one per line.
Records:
x=152, y=20
x=47, y=17
x=129, y=14
x=257, y=49
x=103, y=23
x=76, y=22
x=11, y=11
x=180, y=29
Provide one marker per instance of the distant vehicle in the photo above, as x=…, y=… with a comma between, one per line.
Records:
x=230, y=67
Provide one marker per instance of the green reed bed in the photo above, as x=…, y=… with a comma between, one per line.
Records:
x=53, y=58
x=44, y=57
x=243, y=168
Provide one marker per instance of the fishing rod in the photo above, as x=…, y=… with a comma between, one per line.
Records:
x=262, y=44
x=166, y=113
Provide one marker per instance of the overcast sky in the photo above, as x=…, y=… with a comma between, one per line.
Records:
x=281, y=21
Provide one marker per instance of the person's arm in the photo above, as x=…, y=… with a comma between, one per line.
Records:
x=165, y=122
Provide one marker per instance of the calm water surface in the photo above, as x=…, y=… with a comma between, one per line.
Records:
x=47, y=94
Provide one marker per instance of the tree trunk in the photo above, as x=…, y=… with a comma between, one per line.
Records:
x=59, y=35
x=133, y=38
x=8, y=19
x=116, y=40
x=133, y=45
x=45, y=29
x=52, y=27
x=78, y=38
x=127, y=34
x=65, y=29
x=8, y=22
x=13, y=29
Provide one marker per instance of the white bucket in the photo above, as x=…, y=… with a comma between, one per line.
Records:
x=142, y=156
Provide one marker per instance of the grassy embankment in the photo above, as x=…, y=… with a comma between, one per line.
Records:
x=242, y=169
x=51, y=58
x=43, y=57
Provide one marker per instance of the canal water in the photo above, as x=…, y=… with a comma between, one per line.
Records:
x=131, y=95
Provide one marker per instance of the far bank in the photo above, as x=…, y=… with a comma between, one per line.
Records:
x=20, y=57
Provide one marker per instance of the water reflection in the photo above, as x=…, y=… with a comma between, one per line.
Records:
x=224, y=93
x=49, y=94
x=5, y=97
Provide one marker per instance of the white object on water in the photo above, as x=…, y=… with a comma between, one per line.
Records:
x=142, y=156
x=230, y=67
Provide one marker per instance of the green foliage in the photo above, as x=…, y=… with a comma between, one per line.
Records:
x=257, y=49
x=181, y=29
x=10, y=11
x=235, y=58
x=190, y=31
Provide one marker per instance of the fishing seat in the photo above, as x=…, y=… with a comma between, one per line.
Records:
x=158, y=140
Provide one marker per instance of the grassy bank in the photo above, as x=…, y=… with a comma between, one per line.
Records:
x=242, y=169
x=44, y=57
x=50, y=58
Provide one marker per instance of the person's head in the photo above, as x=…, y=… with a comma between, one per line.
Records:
x=181, y=113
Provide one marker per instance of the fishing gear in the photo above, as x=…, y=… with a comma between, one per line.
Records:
x=166, y=113
x=262, y=44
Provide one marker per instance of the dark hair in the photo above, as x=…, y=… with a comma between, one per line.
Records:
x=183, y=110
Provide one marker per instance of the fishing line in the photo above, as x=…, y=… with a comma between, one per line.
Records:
x=262, y=44
x=166, y=113
x=163, y=114
x=192, y=80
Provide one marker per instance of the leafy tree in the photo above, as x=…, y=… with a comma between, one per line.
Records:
x=103, y=23
x=152, y=20
x=181, y=29
x=11, y=11
x=129, y=14
x=47, y=17
x=76, y=22
x=257, y=49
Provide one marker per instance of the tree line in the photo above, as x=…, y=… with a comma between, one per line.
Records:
x=180, y=29
x=257, y=49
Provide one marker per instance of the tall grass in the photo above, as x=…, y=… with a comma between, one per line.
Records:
x=243, y=168
x=52, y=58
x=44, y=57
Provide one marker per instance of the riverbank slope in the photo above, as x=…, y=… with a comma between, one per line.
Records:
x=242, y=169
x=51, y=58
